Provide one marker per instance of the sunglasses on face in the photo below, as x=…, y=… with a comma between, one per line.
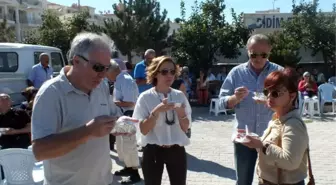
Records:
x=164, y=72
x=273, y=94
x=96, y=66
x=255, y=55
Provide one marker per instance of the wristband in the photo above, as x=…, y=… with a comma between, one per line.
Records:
x=185, y=117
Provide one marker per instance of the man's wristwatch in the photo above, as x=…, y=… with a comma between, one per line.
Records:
x=264, y=148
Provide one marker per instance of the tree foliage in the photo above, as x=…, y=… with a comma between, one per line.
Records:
x=206, y=34
x=313, y=29
x=54, y=32
x=140, y=25
x=285, y=49
x=7, y=34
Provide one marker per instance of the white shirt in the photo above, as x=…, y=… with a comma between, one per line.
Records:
x=211, y=77
x=162, y=133
x=125, y=89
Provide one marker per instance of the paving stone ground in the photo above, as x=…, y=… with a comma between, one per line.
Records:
x=210, y=155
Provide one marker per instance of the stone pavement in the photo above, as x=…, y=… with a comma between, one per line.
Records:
x=210, y=155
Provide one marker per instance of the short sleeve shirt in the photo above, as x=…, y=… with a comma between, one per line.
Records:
x=140, y=73
x=39, y=75
x=125, y=89
x=60, y=107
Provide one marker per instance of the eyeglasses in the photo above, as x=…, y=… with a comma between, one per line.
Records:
x=273, y=94
x=96, y=66
x=165, y=72
x=255, y=55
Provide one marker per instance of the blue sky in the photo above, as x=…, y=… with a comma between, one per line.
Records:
x=173, y=6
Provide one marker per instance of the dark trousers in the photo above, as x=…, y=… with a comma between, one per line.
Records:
x=155, y=157
x=245, y=160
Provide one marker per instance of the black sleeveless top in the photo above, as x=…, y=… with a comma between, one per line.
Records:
x=176, y=84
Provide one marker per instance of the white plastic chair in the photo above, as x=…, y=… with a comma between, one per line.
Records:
x=214, y=107
x=19, y=166
x=311, y=102
x=326, y=95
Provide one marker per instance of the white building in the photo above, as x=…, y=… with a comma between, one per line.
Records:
x=23, y=15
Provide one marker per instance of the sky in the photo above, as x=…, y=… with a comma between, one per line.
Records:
x=173, y=6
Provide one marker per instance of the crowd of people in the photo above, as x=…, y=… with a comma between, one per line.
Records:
x=72, y=115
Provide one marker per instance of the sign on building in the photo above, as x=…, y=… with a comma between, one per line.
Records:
x=265, y=23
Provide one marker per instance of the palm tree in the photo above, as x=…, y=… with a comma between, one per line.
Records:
x=6, y=33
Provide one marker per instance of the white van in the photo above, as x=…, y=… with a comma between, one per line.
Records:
x=16, y=62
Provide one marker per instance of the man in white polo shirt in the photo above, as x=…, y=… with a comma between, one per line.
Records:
x=125, y=95
x=73, y=116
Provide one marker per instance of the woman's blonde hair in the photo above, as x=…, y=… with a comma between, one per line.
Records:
x=153, y=68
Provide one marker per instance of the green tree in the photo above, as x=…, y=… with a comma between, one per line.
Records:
x=140, y=25
x=285, y=49
x=57, y=33
x=6, y=33
x=206, y=35
x=313, y=29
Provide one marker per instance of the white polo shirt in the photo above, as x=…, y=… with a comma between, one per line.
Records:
x=60, y=107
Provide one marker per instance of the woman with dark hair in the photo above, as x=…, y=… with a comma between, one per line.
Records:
x=166, y=116
x=307, y=86
x=202, y=88
x=283, y=148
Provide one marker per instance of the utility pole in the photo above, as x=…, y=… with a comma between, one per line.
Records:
x=273, y=5
x=78, y=4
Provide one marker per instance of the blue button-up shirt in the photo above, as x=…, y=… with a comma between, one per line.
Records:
x=39, y=75
x=248, y=112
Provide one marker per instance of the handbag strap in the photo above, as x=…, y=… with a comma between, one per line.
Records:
x=310, y=171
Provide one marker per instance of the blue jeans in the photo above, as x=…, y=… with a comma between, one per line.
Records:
x=245, y=160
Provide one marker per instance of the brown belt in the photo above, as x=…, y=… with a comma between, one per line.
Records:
x=265, y=182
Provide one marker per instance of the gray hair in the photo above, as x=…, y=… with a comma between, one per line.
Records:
x=86, y=42
x=43, y=54
x=4, y=96
x=149, y=52
x=113, y=65
x=258, y=38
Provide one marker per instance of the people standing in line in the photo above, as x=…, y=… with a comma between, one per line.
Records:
x=236, y=93
x=73, y=116
x=164, y=125
x=125, y=95
x=40, y=72
x=140, y=71
x=285, y=141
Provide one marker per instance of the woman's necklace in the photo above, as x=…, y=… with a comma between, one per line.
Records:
x=168, y=122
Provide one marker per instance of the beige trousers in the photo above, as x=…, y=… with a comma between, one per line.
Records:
x=127, y=150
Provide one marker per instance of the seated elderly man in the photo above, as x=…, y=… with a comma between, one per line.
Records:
x=125, y=95
x=14, y=125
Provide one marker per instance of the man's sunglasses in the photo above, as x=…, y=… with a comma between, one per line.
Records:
x=96, y=66
x=164, y=72
x=273, y=94
x=255, y=55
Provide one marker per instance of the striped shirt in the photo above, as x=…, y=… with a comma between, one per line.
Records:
x=248, y=112
x=125, y=89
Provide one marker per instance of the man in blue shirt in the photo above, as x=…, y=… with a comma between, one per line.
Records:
x=236, y=93
x=40, y=72
x=140, y=71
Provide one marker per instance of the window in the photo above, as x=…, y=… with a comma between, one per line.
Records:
x=56, y=61
x=9, y=62
x=37, y=57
